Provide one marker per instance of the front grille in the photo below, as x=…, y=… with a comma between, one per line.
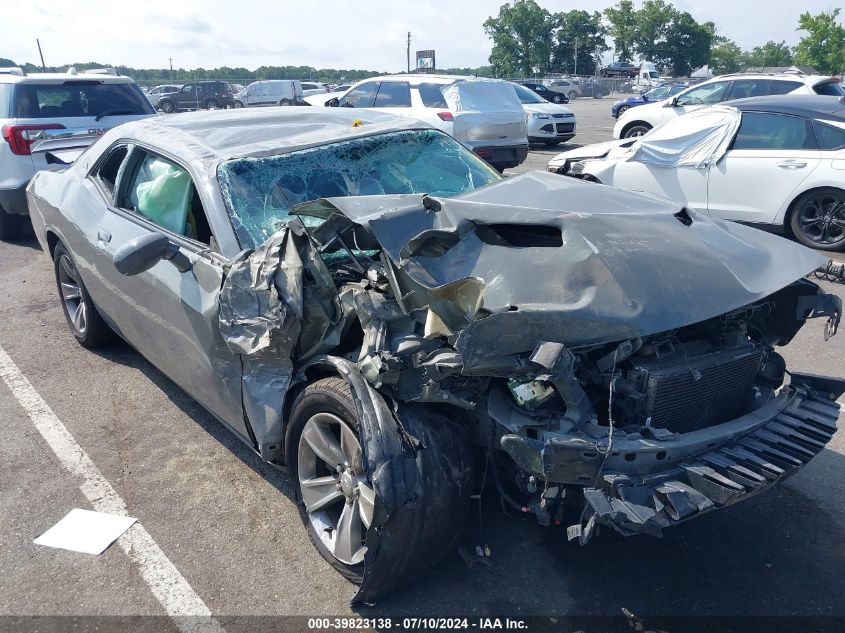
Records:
x=564, y=115
x=701, y=393
x=565, y=128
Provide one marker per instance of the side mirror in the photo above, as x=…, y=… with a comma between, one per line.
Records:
x=673, y=103
x=143, y=252
x=332, y=103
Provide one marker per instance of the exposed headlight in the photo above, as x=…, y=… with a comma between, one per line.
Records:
x=577, y=167
x=539, y=115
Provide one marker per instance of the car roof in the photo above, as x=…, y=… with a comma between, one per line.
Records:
x=223, y=134
x=58, y=78
x=808, y=106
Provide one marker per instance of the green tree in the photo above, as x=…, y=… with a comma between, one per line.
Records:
x=823, y=47
x=651, y=35
x=687, y=44
x=769, y=54
x=622, y=20
x=522, y=37
x=725, y=56
x=585, y=29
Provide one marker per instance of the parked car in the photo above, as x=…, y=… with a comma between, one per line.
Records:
x=483, y=114
x=547, y=123
x=655, y=94
x=155, y=94
x=773, y=161
x=640, y=120
x=36, y=108
x=551, y=96
x=370, y=342
x=199, y=95
x=619, y=69
x=341, y=88
x=313, y=88
x=568, y=87
x=271, y=92
x=594, y=89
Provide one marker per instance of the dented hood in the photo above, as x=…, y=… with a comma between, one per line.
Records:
x=540, y=257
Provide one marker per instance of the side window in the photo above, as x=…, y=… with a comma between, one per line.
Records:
x=761, y=130
x=187, y=88
x=394, y=94
x=362, y=97
x=431, y=96
x=164, y=193
x=829, y=88
x=784, y=87
x=704, y=95
x=107, y=172
x=830, y=138
x=744, y=88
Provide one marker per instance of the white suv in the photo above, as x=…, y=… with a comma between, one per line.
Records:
x=483, y=114
x=38, y=109
x=640, y=120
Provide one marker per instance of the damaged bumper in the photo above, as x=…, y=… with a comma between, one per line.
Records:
x=629, y=491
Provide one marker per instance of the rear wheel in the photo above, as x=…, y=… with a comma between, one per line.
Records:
x=166, y=106
x=638, y=129
x=286, y=102
x=818, y=219
x=85, y=323
x=11, y=225
x=572, y=95
x=237, y=104
x=210, y=104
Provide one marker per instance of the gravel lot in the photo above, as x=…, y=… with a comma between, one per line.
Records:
x=229, y=525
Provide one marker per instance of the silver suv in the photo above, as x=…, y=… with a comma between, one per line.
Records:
x=38, y=109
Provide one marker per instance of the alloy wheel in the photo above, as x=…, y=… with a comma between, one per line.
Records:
x=821, y=218
x=339, y=501
x=74, y=302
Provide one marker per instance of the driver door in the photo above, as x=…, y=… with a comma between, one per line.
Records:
x=169, y=316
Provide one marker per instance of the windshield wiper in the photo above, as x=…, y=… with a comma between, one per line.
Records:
x=112, y=112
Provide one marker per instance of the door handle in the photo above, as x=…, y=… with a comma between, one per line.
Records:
x=792, y=164
x=103, y=236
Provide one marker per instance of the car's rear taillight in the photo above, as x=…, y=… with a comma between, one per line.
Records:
x=445, y=116
x=484, y=152
x=21, y=137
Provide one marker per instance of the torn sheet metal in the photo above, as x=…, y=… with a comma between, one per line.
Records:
x=262, y=310
x=616, y=258
x=698, y=139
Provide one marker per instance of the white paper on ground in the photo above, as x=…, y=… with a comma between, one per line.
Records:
x=86, y=531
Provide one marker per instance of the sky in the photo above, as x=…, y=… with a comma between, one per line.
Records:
x=365, y=34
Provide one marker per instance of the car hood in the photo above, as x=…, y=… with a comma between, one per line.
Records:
x=598, y=150
x=546, y=108
x=538, y=257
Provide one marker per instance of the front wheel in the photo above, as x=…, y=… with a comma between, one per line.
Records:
x=622, y=110
x=286, y=102
x=166, y=106
x=237, y=104
x=818, y=219
x=638, y=129
x=557, y=99
x=340, y=503
x=85, y=323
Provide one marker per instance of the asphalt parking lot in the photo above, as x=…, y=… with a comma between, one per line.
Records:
x=228, y=524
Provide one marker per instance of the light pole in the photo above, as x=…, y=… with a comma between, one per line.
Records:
x=408, y=52
x=576, y=57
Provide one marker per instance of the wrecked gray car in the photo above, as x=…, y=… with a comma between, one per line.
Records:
x=360, y=298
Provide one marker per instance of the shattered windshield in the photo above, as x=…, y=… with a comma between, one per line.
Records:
x=259, y=192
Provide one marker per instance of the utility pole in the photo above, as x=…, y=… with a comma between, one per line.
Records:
x=576, y=57
x=408, y=52
x=170, y=59
x=40, y=54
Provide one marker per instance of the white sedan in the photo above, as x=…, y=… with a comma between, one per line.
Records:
x=777, y=161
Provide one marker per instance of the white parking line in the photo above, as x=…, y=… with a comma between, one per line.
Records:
x=166, y=583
